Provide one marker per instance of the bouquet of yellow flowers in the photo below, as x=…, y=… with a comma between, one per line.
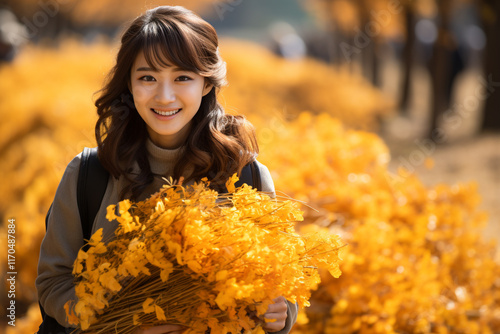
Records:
x=194, y=257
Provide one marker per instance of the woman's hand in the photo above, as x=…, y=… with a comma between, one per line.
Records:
x=164, y=329
x=278, y=312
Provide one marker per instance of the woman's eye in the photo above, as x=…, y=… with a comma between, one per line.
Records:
x=183, y=78
x=147, y=78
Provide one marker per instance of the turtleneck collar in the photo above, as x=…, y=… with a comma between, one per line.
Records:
x=161, y=160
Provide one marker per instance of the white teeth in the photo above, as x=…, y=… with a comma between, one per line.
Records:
x=166, y=113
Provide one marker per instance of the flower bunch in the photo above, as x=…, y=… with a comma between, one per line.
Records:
x=57, y=117
x=194, y=257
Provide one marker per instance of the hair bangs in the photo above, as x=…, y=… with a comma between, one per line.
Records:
x=167, y=45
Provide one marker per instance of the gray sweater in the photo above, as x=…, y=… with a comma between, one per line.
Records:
x=64, y=237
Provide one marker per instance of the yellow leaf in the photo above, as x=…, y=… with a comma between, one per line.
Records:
x=85, y=324
x=230, y=183
x=175, y=248
x=194, y=266
x=110, y=282
x=78, y=267
x=85, y=313
x=96, y=237
x=160, y=315
x=165, y=273
x=258, y=330
x=148, y=305
x=135, y=319
x=110, y=212
x=70, y=313
x=124, y=206
x=221, y=275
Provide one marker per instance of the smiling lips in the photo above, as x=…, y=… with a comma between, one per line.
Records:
x=167, y=112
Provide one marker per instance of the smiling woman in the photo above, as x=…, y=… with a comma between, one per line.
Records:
x=169, y=60
x=167, y=98
x=168, y=64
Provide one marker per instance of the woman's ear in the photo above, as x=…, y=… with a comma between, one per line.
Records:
x=208, y=87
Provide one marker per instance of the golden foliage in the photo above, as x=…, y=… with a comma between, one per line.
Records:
x=110, y=12
x=118, y=11
x=29, y=323
x=262, y=84
x=48, y=117
x=416, y=262
x=375, y=18
x=194, y=257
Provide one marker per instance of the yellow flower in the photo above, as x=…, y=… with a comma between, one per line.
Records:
x=71, y=316
x=221, y=275
x=258, y=330
x=175, y=248
x=108, y=280
x=230, y=183
x=78, y=266
x=165, y=272
x=194, y=266
x=201, y=260
x=148, y=305
x=85, y=313
x=111, y=212
x=160, y=314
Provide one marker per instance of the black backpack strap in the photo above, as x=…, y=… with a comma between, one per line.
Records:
x=250, y=174
x=92, y=184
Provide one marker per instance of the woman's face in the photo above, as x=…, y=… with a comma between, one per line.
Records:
x=167, y=100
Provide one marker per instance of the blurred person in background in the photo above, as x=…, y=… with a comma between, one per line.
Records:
x=12, y=35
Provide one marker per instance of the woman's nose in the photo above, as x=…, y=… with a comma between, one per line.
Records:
x=165, y=93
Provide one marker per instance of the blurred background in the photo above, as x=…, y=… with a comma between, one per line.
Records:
x=383, y=115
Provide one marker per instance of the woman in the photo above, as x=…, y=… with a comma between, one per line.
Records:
x=158, y=117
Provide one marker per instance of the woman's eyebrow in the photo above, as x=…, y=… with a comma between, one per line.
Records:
x=149, y=69
x=146, y=69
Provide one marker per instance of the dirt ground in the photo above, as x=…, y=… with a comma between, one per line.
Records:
x=465, y=156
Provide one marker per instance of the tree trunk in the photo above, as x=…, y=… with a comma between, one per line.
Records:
x=377, y=48
x=491, y=26
x=407, y=60
x=367, y=49
x=440, y=69
x=335, y=37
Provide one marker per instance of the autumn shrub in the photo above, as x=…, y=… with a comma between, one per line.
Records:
x=48, y=116
x=415, y=260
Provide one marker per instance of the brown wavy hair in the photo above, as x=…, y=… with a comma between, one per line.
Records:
x=218, y=144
